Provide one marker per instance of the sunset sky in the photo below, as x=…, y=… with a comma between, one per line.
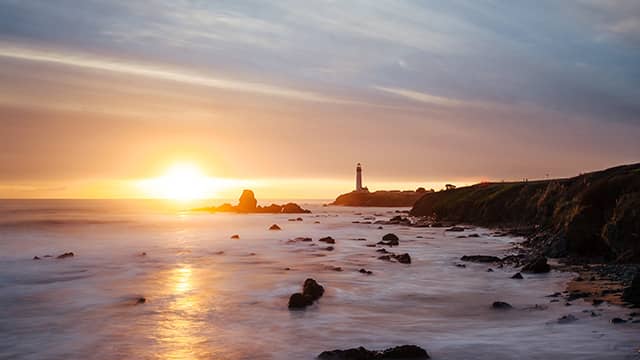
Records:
x=98, y=97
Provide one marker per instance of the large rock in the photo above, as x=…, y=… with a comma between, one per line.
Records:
x=481, y=258
x=311, y=291
x=537, y=266
x=631, y=294
x=407, y=352
x=247, y=202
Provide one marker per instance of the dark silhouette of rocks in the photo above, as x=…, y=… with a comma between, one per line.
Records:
x=247, y=204
x=481, y=258
x=390, y=240
x=537, y=266
x=328, y=240
x=235, y=236
x=141, y=300
x=65, y=255
x=365, y=271
x=274, y=227
x=407, y=352
x=379, y=198
x=311, y=291
x=403, y=258
x=631, y=294
x=501, y=305
x=517, y=276
x=36, y=258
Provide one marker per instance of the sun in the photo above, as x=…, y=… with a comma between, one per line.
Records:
x=182, y=182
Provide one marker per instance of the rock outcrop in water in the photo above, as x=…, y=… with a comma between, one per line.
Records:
x=407, y=352
x=311, y=291
x=247, y=204
x=593, y=215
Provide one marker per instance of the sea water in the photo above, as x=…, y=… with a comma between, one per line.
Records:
x=212, y=297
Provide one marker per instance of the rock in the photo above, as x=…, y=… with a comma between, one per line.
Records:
x=390, y=237
x=537, y=266
x=567, y=319
x=399, y=352
x=405, y=352
x=65, y=255
x=292, y=208
x=489, y=270
x=385, y=257
x=365, y=271
x=36, y=258
x=501, y=305
x=474, y=235
x=618, y=320
x=517, y=276
x=336, y=268
x=596, y=302
x=328, y=240
x=140, y=300
x=311, y=291
x=299, y=301
x=274, y=227
x=247, y=202
x=578, y=295
x=403, y=258
x=370, y=245
x=461, y=265
x=380, y=228
x=455, y=229
x=299, y=219
x=481, y=258
x=631, y=294
x=235, y=236
x=329, y=248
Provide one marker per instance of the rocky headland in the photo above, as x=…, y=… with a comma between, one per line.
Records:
x=394, y=198
x=247, y=204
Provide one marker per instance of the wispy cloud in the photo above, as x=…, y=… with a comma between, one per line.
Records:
x=159, y=73
x=428, y=98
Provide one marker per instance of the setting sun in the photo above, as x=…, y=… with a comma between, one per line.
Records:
x=180, y=182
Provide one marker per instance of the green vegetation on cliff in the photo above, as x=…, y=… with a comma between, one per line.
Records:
x=595, y=214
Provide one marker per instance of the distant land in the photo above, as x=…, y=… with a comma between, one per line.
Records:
x=594, y=215
x=380, y=198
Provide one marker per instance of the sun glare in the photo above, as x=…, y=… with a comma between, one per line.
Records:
x=181, y=182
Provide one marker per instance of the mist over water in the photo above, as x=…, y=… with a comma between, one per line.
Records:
x=211, y=297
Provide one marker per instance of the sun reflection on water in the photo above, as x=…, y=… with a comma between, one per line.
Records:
x=180, y=327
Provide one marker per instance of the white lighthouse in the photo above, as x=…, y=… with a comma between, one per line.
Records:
x=359, y=178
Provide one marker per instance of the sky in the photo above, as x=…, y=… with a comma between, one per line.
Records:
x=287, y=96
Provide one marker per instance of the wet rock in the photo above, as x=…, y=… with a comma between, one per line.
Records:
x=382, y=250
x=474, y=235
x=537, y=266
x=370, y=245
x=399, y=352
x=336, y=268
x=329, y=248
x=140, y=300
x=274, y=227
x=480, y=258
x=365, y=271
x=328, y=240
x=596, y=302
x=389, y=240
x=489, y=270
x=501, y=305
x=302, y=239
x=65, y=255
x=36, y=258
x=631, y=294
x=567, y=319
x=311, y=291
x=578, y=295
x=461, y=265
x=390, y=237
x=517, y=276
x=287, y=268
x=385, y=257
x=618, y=320
x=403, y=258
x=455, y=229
x=299, y=219
x=143, y=254
x=380, y=228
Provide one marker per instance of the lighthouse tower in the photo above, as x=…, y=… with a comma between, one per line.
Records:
x=359, y=177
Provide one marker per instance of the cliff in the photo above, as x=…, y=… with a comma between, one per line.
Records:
x=595, y=214
x=379, y=198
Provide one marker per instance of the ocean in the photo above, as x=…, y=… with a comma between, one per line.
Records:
x=212, y=297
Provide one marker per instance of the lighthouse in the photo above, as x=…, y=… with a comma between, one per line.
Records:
x=359, y=178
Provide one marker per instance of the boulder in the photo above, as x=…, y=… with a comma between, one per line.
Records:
x=299, y=301
x=36, y=258
x=390, y=237
x=313, y=289
x=235, y=236
x=65, y=255
x=501, y=305
x=274, y=227
x=328, y=240
x=517, y=276
x=403, y=258
x=631, y=294
x=481, y=258
x=537, y=266
x=399, y=352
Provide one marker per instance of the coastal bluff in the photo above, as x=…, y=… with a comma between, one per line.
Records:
x=247, y=204
x=380, y=198
x=591, y=215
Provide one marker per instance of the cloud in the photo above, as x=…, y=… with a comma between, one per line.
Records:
x=159, y=73
x=428, y=98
